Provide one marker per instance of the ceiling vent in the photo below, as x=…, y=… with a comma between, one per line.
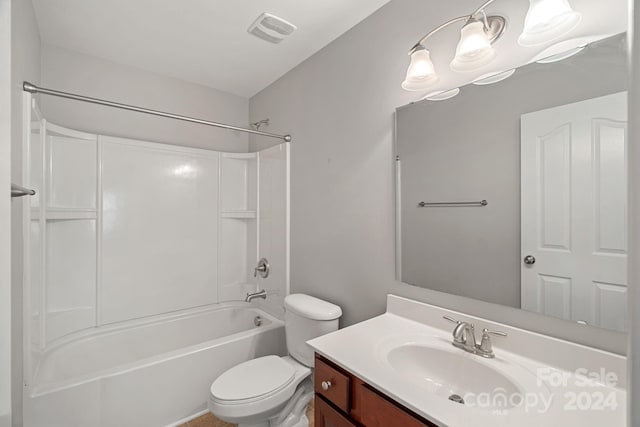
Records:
x=271, y=28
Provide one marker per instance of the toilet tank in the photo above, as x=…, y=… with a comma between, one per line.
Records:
x=306, y=318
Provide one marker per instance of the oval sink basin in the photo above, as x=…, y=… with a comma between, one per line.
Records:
x=449, y=373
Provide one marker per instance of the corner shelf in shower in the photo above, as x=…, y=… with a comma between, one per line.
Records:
x=238, y=214
x=240, y=156
x=57, y=214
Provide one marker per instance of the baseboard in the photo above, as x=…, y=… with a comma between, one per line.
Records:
x=179, y=422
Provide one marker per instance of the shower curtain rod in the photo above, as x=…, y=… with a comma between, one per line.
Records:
x=31, y=88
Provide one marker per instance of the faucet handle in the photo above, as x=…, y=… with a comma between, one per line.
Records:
x=263, y=268
x=497, y=333
x=451, y=319
x=485, y=349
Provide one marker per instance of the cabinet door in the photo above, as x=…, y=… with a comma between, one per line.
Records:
x=339, y=384
x=326, y=416
x=377, y=411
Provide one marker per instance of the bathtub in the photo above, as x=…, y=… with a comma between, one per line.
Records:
x=153, y=372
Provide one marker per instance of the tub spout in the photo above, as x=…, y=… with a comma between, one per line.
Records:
x=262, y=294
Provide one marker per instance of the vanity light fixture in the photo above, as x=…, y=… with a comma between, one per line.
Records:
x=546, y=20
x=421, y=72
x=474, y=49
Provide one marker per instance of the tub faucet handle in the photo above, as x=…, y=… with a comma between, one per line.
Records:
x=263, y=268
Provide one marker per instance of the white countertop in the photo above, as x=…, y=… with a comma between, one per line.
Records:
x=553, y=395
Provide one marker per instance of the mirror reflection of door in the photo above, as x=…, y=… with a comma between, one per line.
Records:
x=574, y=211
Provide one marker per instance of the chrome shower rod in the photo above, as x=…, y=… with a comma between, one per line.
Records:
x=31, y=88
x=18, y=191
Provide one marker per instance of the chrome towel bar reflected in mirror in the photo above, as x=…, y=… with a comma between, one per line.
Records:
x=451, y=204
x=17, y=191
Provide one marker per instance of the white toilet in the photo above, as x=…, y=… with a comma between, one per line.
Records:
x=274, y=391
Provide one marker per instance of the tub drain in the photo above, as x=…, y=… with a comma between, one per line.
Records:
x=257, y=321
x=456, y=398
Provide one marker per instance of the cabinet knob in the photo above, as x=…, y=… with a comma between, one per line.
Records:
x=326, y=385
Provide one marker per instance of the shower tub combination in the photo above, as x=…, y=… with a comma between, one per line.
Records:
x=155, y=372
x=137, y=259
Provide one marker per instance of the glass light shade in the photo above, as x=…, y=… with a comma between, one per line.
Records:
x=474, y=48
x=547, y=20
x=421, y=73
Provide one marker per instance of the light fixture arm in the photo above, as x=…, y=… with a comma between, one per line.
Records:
x=440, y=27
x=481, y=8
x=465, y=18
x=485, y=20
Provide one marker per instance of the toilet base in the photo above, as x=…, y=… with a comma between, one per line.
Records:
x=302, y=422
x=294, y=414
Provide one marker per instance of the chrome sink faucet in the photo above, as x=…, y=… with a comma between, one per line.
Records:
x=464, y=337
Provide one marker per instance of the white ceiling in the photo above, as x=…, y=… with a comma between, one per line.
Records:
x=201, y=41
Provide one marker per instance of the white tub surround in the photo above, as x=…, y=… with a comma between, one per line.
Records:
x=147, y=373
x=122, y=229
x=560, y=383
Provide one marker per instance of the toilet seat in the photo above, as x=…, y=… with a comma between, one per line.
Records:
x=256, y=389
x=253, y=380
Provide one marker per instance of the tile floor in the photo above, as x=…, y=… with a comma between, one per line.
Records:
x=209, y=420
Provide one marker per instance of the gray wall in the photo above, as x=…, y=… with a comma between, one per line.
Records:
x=468, y=148
x=633, y=360
x=25, y=61
x=90, y=76
x=5, y=213
x=339, y=107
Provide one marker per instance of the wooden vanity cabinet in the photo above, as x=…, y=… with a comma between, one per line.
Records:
x=347, y=401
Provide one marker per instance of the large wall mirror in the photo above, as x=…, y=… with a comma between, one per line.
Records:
x=515, y=193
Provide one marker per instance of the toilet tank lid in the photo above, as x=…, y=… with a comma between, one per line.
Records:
x=311, y=307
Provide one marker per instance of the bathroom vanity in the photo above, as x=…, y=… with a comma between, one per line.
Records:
x=343, y=399
x=401, y=369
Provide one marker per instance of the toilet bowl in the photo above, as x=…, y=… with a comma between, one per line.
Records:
x=274, y=391
x=251, y=393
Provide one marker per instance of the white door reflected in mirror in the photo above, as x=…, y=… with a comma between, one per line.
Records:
x=574, y=204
